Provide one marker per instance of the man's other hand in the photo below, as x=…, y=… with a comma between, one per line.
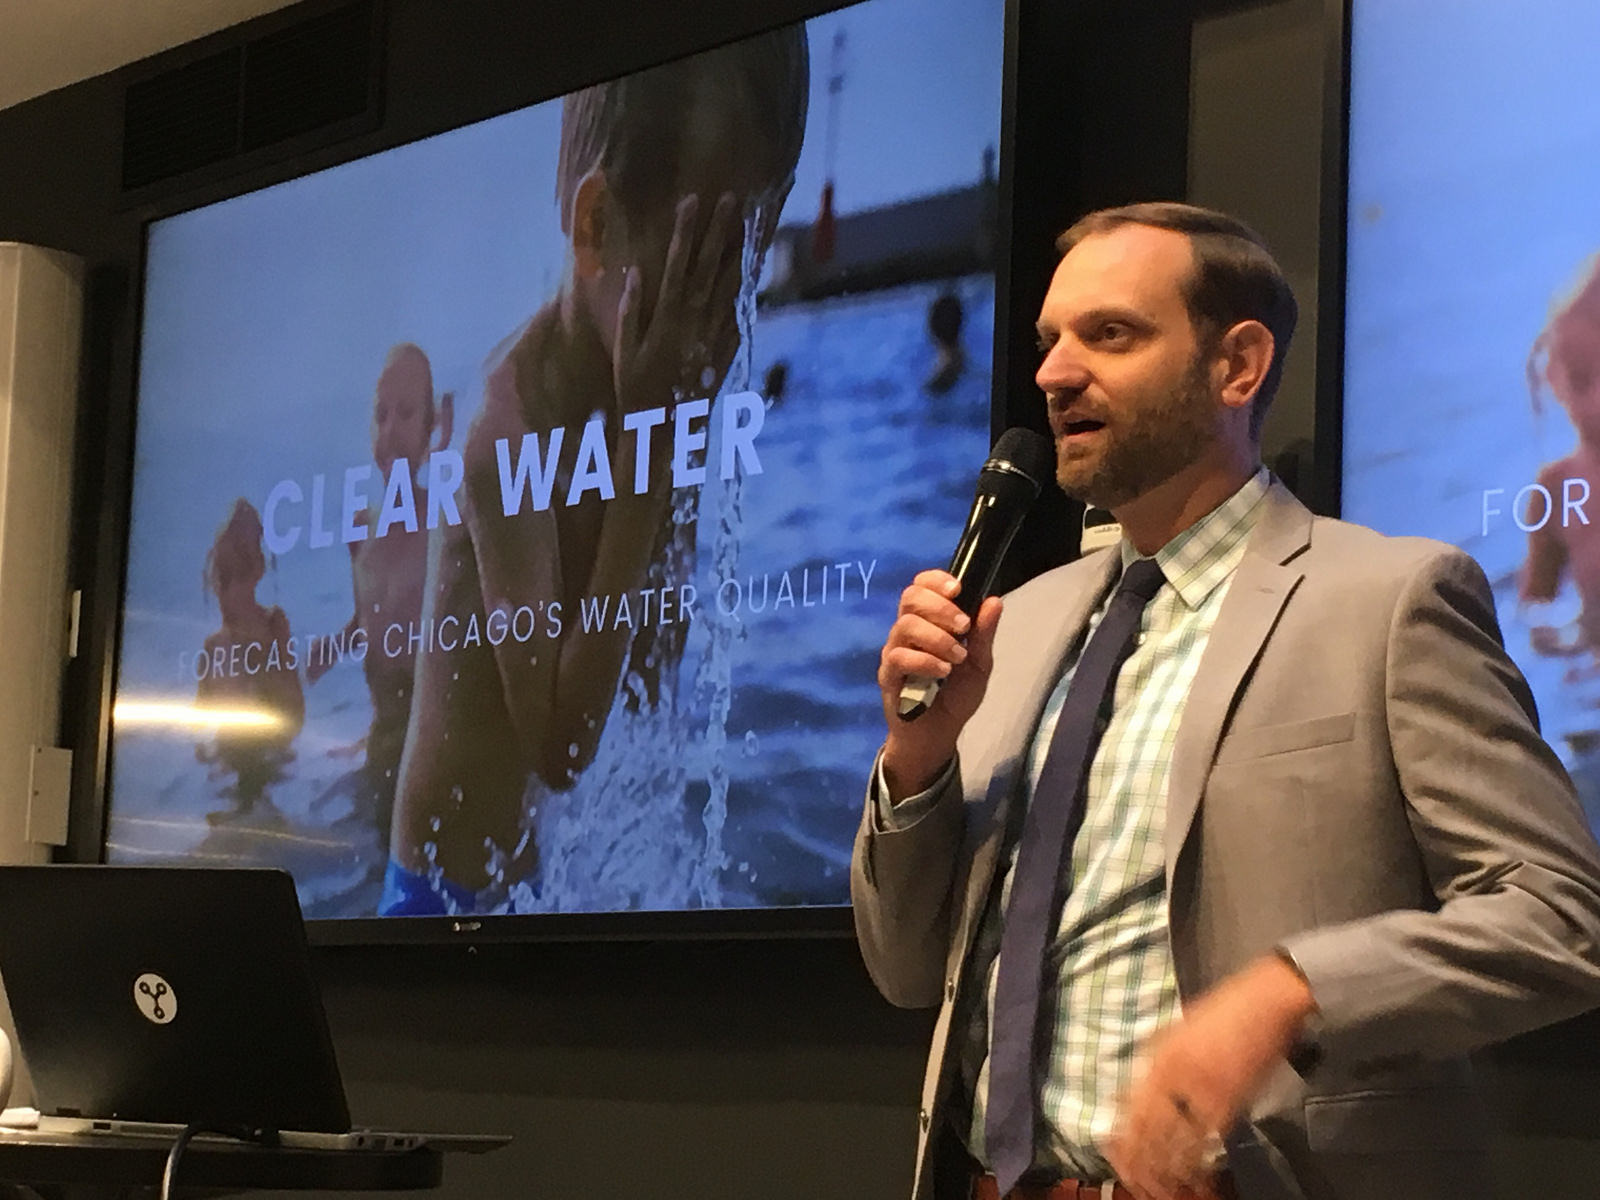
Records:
x=1199, y=1075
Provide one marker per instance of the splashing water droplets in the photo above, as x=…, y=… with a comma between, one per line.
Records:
x=714, y=680
x=617, y=837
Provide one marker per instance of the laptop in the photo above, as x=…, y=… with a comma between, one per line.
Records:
x=146, y=999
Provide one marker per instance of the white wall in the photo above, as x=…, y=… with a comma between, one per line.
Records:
x=41, y=316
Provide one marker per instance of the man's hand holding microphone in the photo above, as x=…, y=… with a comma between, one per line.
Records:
x=932, y=638
x=936, y=662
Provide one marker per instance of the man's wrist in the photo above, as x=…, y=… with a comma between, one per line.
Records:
x=1281, y=996
x=906, y=775
x=1304, y=1053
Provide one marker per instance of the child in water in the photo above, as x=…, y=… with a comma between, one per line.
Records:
x=1566, y=360
x=251, y=665
x=659, y=177
x=945, y=317
x=387, y=569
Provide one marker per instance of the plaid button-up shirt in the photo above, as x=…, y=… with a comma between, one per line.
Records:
x=1108, y=967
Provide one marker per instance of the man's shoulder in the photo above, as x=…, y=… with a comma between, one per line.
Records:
x=1336, y=550
x=1050, y=587
x=1355, y=573
x=1363, y=552
x=1338, y=557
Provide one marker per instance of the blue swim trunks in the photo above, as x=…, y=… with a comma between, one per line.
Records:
x=407, y=894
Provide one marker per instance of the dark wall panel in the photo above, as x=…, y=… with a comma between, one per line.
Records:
x=1101, y=119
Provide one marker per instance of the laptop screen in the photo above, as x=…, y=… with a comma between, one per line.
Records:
x=172, y=994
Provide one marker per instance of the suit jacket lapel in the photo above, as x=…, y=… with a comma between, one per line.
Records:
x=1255, y=598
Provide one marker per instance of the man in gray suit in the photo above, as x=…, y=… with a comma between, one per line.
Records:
x=1321, y=851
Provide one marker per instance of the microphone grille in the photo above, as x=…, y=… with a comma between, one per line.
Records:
x=1025, y=451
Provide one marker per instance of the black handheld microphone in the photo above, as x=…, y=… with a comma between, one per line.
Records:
x=1007, y=487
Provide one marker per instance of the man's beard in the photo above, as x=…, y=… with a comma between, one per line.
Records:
x=1163, y=439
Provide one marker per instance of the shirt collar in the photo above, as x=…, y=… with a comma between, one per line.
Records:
x=1198, y=560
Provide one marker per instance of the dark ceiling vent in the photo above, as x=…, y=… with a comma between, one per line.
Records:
x=186, y=118
x=317, y=75
x=307, y=76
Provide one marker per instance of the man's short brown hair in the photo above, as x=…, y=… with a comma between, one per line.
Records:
x=1235, y=277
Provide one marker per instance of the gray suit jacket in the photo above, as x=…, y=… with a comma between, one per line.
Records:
x=1358, y=778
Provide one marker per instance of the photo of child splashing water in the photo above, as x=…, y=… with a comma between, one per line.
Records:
x=670, y=183
x=254, y=684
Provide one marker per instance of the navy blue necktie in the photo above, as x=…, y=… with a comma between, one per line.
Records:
x=1054, y=814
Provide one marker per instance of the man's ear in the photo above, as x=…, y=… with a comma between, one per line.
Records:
x=589, y=224
x=1245, y=356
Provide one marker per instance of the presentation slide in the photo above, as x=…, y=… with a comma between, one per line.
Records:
x=1472, y=354
x=518, y=513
